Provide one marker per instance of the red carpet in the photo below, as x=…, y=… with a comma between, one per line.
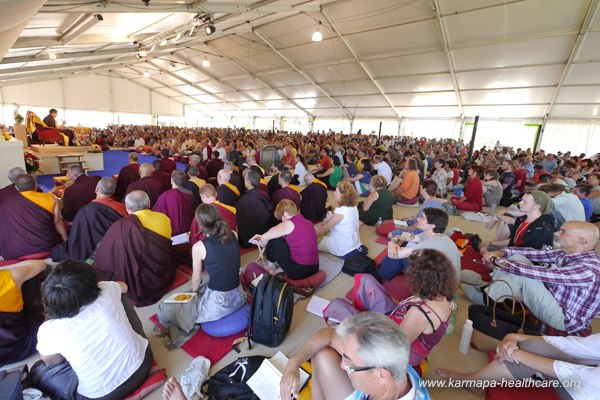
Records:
x=186, y=269
x=179, y=279
x=201, y=344
x=382, y=240
x=380, y=257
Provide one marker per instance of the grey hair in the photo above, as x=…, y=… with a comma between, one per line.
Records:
x=195, y=158
x=309, y=178
x=285, y=176
x=146, y=170
x=193, y=171
x=106, y=186
x=228, y=166
x=137, y=200
x=15, y=172
x=381, y=342
x=77, y=169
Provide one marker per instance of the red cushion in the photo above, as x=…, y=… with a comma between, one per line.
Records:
x=310, y=282
x=156, y=378
x=410, y=201
x=397, y=288
x=471, y=260
x=36, y=256
x=252, y=271
x=385, y=228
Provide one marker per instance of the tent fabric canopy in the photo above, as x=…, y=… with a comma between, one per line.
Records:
x=386, y=59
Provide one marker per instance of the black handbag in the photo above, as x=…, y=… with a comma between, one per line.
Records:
x=492, y=324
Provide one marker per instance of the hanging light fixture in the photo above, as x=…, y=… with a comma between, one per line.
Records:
x=317, y=36
x=143, y=53
x=177, y=37
x=52, y=55
x=146, y=74
x=205, y=62
x=210, y=28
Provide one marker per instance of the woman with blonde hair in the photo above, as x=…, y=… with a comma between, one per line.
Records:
x=292, y=243
x=378, y=204
x=341, y=228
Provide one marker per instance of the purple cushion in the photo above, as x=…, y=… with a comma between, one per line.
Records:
x=230, y=324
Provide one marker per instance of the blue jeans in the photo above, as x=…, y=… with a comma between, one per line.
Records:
x=390, y=267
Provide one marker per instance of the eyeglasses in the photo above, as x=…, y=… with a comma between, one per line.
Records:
x=562, y=232
x=351, y=370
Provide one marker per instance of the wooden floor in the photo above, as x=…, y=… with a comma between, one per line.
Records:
x=445, y=355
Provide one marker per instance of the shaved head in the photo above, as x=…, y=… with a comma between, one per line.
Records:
x=146, y=170
x=583, y=235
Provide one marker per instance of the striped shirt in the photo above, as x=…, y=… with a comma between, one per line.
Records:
x=573, y=280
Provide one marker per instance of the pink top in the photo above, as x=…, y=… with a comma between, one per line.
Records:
x=302, y=241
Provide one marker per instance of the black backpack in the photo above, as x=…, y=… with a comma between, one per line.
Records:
x=229, y=383
x=272, y=311
x=361, y=264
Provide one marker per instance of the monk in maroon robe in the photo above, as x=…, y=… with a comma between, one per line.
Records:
x=228, y=213
x=168, y=164
x=80, y=193
x=90, y=224
x=30, y=221
x=147, y=184
x=286, y=192
x=137, y=250
x=9, y=190
x=226, y=192
x=314, y=198
x=177, y=204
x=214, y=166
x=160, y=175
x=127, y=175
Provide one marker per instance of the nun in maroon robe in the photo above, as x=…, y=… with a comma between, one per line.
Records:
x=150, y=186
x=128, y=174
x=141, y=258
x=178, y=205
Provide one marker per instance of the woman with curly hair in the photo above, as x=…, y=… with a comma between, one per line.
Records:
x=341, y=229
x=424, y=316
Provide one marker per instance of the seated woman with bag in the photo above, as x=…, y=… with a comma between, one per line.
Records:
x=292, y=244
x=424, y=316
x=93, y=347
x=223, y=295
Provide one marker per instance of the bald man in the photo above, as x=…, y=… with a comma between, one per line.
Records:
x=146, y=183
x=226, y=192
x=564, y=292
x=127, y=175
x=80, y=193
x=11, y=189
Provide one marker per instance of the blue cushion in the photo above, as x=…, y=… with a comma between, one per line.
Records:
x=230, y=324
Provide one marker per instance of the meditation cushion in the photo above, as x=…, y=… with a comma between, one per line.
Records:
x=397, y=288
x=310, y=282
x=385, y=228
x=36, y=256
x=252, y=271
x=412, y=201
x=156, y=378
x=233, y=323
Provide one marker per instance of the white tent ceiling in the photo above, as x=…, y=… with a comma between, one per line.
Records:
x=378, y=58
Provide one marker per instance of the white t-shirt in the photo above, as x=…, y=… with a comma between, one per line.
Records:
x=384, y=169
x=444, y=245
x=301, y=171
x=99, y=343
x=343, y=237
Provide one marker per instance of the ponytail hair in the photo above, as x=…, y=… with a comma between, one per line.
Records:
x=210, y=221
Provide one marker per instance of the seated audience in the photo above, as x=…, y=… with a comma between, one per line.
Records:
x=582, y=191
x=168, y=165
x=79, y=193
x=144, y=261
x=409, y=188
x=273, y=183
x=556, y=359
x=291, y=246
x=342, y=238
x=314, y=199
x=492, y=189
x=253, y=210
x=219, y=254
x=193, y=184
x=11, y=189
x=382, y=168
x=234, y=177
x=127, y=175
x=90, y=224
x=565, y=295
x=300, y=169
x=160, y=175
x=286, y=192
x=325, y=164
x=424, y=316
x=473, y=196
x=432, y=223
x=440, y=177
x=21, y=313
x=208, y=194
x=507, y=179
x=567, y=206
x=362, y=180
x=226, y=192
x=366, y=356
x=94, y=345
x=214, y=166
x=378, y=205
x=594, y=196
x=520, y=177
x=177, y=204
x=31, y=222
x=146, y=184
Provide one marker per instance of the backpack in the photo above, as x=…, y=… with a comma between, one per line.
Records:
x=361, y=264
x=272, y=311
x=229, y=383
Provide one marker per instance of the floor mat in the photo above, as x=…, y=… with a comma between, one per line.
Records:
x=382, y=240
x=380, y=257
x=331, y=266
x=201, y=344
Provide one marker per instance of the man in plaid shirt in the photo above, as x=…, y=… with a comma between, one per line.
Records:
x=563, y=288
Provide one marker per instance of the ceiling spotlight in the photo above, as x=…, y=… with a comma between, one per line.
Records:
x=52, y=55
x=152, y=48
x=177, y=37
x=205, y=62
x=317, y=36
x=163, y=42
x=146, y=74
x=210, y=28
x=143, y=53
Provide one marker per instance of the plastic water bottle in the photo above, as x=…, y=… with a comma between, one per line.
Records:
x=379, y=221
x=452, y=322
x=465, y=337
x=493, y=205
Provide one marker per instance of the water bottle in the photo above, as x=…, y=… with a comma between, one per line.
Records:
x=452, y=322
x=465, y=337
x=493, y=205
x=379, y=221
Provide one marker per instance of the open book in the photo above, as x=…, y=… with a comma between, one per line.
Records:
x=265, y=381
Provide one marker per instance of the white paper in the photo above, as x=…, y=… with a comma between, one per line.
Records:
x=181, y=238
x=399, y=222
x=265, y=381
x=316, y=305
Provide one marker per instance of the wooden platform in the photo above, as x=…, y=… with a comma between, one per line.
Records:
x=49, y=160
x=55, y=149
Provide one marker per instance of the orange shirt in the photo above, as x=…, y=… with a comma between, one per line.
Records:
x=410, y=184
x=11, y=299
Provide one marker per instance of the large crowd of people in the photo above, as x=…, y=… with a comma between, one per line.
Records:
x=546, y=237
